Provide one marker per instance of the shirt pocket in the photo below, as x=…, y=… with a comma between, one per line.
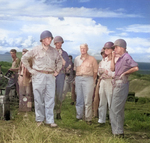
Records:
x=40, y=60
x=88, y=67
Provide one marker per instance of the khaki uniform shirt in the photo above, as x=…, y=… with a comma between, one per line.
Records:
x=15, y=63
x=85, y=66
x=105, y=64
x=47, y=60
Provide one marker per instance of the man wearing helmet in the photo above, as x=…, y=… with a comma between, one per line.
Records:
x=60, y=78
x=124, y=66
x=106, y=75
x=46, y=64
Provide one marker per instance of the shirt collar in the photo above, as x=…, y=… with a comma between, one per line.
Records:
x=123, y=55
x=14, y=59
x=84, y=58
x=42, y=47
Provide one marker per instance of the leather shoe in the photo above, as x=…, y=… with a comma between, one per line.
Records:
x=53, y=125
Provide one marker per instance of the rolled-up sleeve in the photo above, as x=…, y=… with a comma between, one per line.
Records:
x=25, y=59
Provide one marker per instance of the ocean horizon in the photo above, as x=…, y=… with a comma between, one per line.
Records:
x=144, y=67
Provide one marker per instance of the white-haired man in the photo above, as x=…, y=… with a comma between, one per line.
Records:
x=86, y=72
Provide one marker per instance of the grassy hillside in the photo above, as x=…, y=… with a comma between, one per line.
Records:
x=23, y=128
x=140, y=84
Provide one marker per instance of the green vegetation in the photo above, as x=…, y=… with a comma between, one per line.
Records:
x=139, y=76
x=23, y=128
x=5, y=66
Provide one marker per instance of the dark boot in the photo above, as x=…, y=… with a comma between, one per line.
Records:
x=72, y=103
x=58, y=116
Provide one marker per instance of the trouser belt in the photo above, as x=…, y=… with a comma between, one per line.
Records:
x=46, y=72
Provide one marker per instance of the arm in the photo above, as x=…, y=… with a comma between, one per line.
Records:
x=95, y=67
x=16, y=67
x=112, y=67
x=134, y=69
x=58, y=63
x=95, y=76
x=25, y=60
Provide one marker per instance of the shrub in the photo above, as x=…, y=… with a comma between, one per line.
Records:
x=143, y=100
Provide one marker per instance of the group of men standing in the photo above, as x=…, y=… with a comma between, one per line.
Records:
x=48, y=73
x=113, y=87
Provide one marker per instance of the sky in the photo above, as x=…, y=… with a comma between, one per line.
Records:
x=94, y=22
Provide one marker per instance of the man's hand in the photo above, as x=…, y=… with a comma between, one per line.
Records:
x=113, y=54
x=55, y=73
x=121, y=76
x=106, y=72
x=11, y=69
x=101, y=70
x=33, y=72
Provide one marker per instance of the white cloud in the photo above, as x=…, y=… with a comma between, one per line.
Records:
x=22, y=22
x=143, y=28
x=45, y=9
x=134, y=45
x=18, y=43
x=7, y=49
x=75, y=31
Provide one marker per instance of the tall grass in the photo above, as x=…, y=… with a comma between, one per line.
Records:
x=22, y=128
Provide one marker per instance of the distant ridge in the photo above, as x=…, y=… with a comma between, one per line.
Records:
x=7, y=57
x=7, y=53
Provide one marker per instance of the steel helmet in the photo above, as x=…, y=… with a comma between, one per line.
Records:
x=121, y=43
x=58, y=39
x=45, y=34
x=108, y=45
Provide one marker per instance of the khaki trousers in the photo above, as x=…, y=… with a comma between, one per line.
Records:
x=84, y=87
x=44, y=97
x=105, y=94
x=120, y=93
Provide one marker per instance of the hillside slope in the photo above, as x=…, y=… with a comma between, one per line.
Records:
x=140, y=87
